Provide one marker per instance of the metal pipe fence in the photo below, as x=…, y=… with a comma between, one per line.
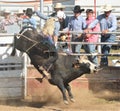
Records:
x=96, y=43
x=99, y=43
x=91, y=54
x=83, y=43
x=79, y=32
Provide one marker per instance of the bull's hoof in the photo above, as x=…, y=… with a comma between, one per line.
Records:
x=72, y=100
x=66, y=102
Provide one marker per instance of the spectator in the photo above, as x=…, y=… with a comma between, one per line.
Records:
x=19, y=16
x=29, y=20
x=62, y=37
x=108, y=23
x=77, y=23
x=58, y=7
x=6, y=21
x=91, y=38
x=61, y=17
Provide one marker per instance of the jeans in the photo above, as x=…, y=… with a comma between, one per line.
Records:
x=76, y=47
x=106, y=48
x=90, y=48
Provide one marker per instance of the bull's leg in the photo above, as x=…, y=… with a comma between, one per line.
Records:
x=67, y=86
x=47, y=74
x=43, y=71
x=37, y=67
x=63, y=90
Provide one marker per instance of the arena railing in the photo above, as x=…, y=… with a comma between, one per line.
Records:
x=117, y=43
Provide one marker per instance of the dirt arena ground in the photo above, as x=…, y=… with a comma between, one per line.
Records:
x=52, y=101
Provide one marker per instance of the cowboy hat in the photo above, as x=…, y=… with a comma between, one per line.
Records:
x=59, y=5
x=106, y=8
x=20, y=11
x=29, y=11
x=77, y=9
x=7, y=12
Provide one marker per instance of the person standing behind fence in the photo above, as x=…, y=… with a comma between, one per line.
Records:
x=91, y=38
x=58, y=7
x=77, y=23
x=108, y=23
x=19, y=16
x=6, y=22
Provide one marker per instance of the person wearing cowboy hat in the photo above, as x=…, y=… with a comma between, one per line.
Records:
x=6, y=21
x=29, y=20
x=108, y=23
x=77, y=23
x=57, y=7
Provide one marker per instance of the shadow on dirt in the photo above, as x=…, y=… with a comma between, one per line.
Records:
x=19, y=103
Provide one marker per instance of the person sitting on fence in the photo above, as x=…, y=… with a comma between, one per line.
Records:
x=29, y=20
x=91, y=38
x=108, y=23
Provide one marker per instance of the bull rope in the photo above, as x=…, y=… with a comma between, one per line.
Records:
x=35, y=42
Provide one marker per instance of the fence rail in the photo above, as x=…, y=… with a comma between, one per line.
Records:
x=96, y=43
x=79, y=32
x=117, y=43
x=92, y=54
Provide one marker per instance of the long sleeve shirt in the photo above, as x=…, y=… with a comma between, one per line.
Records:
x=92, y=37
x=77, y=24
x=105, y=24
x=44, y=17
x=30, y=21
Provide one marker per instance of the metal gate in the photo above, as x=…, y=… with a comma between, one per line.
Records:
x=12, y=70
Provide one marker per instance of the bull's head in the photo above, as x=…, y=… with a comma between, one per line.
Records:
x=86, y=64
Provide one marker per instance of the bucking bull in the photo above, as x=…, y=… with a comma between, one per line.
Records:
x=45, y=58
